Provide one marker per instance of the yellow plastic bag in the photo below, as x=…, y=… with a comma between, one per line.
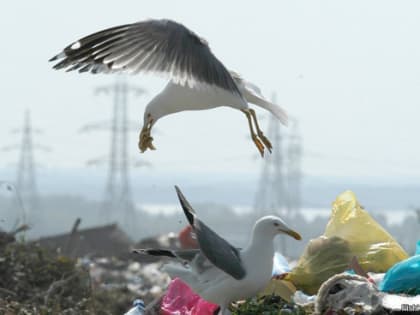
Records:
x=350, y=232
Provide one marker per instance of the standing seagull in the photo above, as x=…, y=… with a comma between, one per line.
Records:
x=219, y=272
x=198, y=80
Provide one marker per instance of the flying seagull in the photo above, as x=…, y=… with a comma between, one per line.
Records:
x=219, y=272
x=198, y=80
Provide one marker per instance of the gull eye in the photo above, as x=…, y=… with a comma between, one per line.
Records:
x=276, y=224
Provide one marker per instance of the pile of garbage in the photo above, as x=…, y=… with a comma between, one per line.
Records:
x=143, y=280
x=355, y=267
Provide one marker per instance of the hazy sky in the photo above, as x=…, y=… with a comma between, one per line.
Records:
x=348, y=70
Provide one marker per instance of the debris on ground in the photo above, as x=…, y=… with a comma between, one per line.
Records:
x=355, y=268
x=137, y=309
x=403, y=277
x=267, y=305
x=352, y=294
x=180, y=299
x=35, y=280
x=350, y=232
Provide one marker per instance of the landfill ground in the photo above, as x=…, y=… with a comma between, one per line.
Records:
x=34, y=280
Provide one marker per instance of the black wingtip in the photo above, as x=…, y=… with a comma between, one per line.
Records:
x=53, y=58
x=154, y=252
x=188, y=210
x=56, y=57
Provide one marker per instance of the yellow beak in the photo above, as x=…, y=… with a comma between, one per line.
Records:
x=293, y=234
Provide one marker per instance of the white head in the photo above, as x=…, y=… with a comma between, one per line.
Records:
x=270, y=226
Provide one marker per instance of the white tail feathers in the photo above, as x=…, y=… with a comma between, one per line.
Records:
x=275, y=109
x=252, y=94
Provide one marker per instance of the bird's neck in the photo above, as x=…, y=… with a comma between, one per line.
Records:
x=260, y=251
x=262, y=242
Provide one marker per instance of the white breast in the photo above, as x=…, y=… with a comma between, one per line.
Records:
x=175, y=98
x=225, y=289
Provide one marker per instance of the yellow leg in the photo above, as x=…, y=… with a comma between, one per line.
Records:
x=145, y=140
x=254, y=137
x=260, y=134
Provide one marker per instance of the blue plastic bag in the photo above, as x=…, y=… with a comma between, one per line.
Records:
x=403, y=277
x=280, y=265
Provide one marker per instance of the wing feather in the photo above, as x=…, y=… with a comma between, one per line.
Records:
x=161, y=46
x=215, y=248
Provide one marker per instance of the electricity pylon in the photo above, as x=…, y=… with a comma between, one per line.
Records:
x=118, y=201
x=294, y=168
x=280, y=179
x=25, y=179
x=25, y=184
x=270, y=197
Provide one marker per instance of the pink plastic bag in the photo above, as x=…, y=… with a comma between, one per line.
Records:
x=181, y=300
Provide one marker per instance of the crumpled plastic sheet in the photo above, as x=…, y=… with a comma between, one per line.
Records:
x=181, y=300
x=280, y=264
x=351, y=294
x=350, y=232
x=403, y=277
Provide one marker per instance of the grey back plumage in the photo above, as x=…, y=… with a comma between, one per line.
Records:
x=215, y=248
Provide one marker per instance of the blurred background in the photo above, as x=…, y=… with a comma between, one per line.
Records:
x=347, y=75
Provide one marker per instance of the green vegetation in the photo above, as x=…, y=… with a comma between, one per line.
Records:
x=268, y=305
x=36, y=281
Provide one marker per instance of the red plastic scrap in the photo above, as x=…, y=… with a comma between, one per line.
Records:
x=186, y=239
x=181, y=300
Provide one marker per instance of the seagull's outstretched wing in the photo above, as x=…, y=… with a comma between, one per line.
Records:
x=216, y=249
x=162, y=46
x=184, y=255
x=187, y=257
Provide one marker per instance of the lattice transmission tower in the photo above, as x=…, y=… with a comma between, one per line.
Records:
x=270, y=197
x=118, y=203
x=280, y=178
x=294, y=153
x=25, y=183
